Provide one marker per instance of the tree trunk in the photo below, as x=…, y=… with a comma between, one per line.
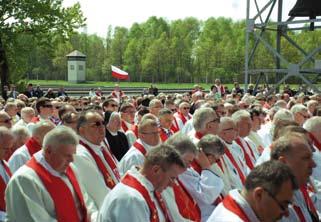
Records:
x=4, y=70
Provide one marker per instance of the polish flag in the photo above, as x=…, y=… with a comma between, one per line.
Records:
x=118, y=73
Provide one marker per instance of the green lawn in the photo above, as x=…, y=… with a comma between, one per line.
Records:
x=121, y=84
x=93, y=84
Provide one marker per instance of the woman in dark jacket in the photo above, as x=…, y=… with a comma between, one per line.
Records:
x=116, y=139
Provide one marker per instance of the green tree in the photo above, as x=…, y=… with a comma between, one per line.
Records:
x=42, y=19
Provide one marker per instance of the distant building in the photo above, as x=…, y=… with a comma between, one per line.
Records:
x=76, y=67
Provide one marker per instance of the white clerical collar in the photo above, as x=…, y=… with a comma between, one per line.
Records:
x=39, y=156
x=112, y=133
x=91, y=145
x=236, y=195
x=134, y=171
x=146, y=146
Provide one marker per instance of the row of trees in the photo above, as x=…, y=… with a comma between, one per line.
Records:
x=187, y=50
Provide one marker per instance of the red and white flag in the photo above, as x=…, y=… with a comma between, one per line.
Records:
x=118, y=73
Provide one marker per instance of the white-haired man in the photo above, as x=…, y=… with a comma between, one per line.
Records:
x=6, y=143
x=183, y=115
x=300, y=113
x=32, y=146
x=41, y=189
x=242, y=119
x=27, y=113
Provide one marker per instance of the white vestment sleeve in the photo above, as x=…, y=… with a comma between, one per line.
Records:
x=27, y=201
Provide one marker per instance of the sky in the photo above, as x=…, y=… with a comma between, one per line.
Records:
x=102, y=13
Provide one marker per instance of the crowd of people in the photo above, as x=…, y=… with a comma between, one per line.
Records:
x=218, y=156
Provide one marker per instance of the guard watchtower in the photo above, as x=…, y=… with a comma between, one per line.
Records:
x=76, y=67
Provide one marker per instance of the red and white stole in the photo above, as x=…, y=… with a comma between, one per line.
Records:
x=230, y=204
x=236, y=166
x=198, y=135
x=135, y=130
x=124, y=126
x=60, y=192
x=134, y=183
x=174, y=126
x=109, y=181
x=248, y=160
x=183, y=118
x=3, y=186
x=163, y=135
x=309, y=204
x=316, y=143
x=195, y=166
x=140, y=148
x=33, y=146
x=187, y=206
x=35, y=119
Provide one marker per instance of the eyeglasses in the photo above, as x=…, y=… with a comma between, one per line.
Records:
x=186, y=108
x=57, y=107
x=6, y=120
x=228, y=129
x=113, y=105
x=98, y=124
x=173, y=110
x=282, y=207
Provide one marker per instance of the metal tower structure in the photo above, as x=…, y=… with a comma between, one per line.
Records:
x=261, y=23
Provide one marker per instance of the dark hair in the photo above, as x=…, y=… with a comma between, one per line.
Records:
x=270, y=176
x=41, y=102
x=125, y=106
x=165, y=156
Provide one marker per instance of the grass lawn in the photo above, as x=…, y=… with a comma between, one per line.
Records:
x=93, y=84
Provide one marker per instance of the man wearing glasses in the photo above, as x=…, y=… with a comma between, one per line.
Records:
x=266, y=196
x=127, y=113
x=44, y=109
x=183, y=115
x=300, y=113
x=205, y=121
x=97, y=165
x=148, y=138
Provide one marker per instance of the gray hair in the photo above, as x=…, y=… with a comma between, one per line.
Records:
x=211, y=144
x=163, y=155
x=153, y=102
x=146, y=123
x=5, y=133
x=27, y=110
x=298, y=108
x=20, y=132
x=201, y=117
x=313, y=124
x=182, y=143
x=283, y=114
x=42, y=126
x=239, y=115
x=61, y=135
x=270, y=175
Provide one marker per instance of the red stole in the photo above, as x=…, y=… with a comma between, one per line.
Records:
x=233, y=161
x=163, y=135
x=35, y=119
x=134, y=183
x=3, y=186
x=135, y=130
x=61, y=195
x=174, y=126
x=124, y=126
x=182, y=117
x=316, y=143
x=33, y=146
x=308, y=200
x=230, y=204
x=102, y=168
x=246, y=155
x=187, y=206
x=198, y=135
x=140, y=148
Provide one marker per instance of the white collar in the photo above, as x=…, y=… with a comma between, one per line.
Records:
x=91, y=145
x=235, y=194
x=39, y=156
x=134, y=171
